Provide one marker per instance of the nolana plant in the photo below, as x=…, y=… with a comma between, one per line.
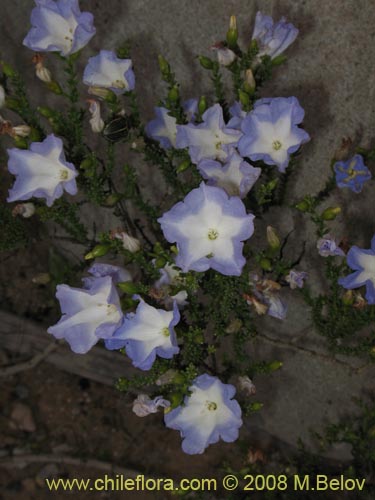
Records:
x=177, y=286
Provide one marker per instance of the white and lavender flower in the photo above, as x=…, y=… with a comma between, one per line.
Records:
x=362, y=261
x=108, y=71
x=89, y=314
x=236, y=176
x=296, y=278
x=59, y=27
x=147, y=333
x=209, y=139
x=209, y=413
x=273, y=38
x=41, y=171
x=209, y=228
x=271, y=133
x=327, y=247
x=163, y=128
x=144, y=405
x=352, y=173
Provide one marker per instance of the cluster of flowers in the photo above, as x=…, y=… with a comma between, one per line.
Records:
x=209, y=227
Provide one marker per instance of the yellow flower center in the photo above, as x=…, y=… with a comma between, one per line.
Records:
x=211, y=406
x=212, y=234
x=276, y=145
x=165, y=331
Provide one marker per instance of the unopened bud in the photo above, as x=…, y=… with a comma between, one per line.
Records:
x=202, y=104
x=21, y=130
x=249, y=83
x=244, y=98
x=54, y=87
x=98, y=251
x=173, y=94
x=331, y=213
x=255, y=406
x=46, y=112
x=206, y=62
x=232, y=33
x=129, y=243
x=302, y=206
x=183, y=166
x=275, y=365
x=102, y=93
x=96, y=121
x=165, y=69
x=272, y=238
x=265, y=264
x=44, y=74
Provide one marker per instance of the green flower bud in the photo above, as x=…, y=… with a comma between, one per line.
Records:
x=202, y=105
x=112, y=199
x=232, y=33
x=275, y=365
x=302, y=206
x=249, y=83
x=160, y=262
x=173, y=94
x=54, y=87
x=86, y=163
x=98, y=251
x=183, y=166
x=272, y=238
x=165, y=69
x=348, y=298
x=206, y=62
x=331, y=213
x=266, y=264
x=244, y=98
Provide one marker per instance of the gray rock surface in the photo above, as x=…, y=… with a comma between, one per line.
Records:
x=330, y=69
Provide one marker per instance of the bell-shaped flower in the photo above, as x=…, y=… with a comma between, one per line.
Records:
x=207, y=140
x=147, y=333
x=88, y=314
x=209, y=413
x=271, y=133
x=352, y=173
x=41, y=171
x=273, y=38
x=59, y=26
x=362, y=261
x=236, y=176
x=209, y=228
x=108, y=71
x=164, y=127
